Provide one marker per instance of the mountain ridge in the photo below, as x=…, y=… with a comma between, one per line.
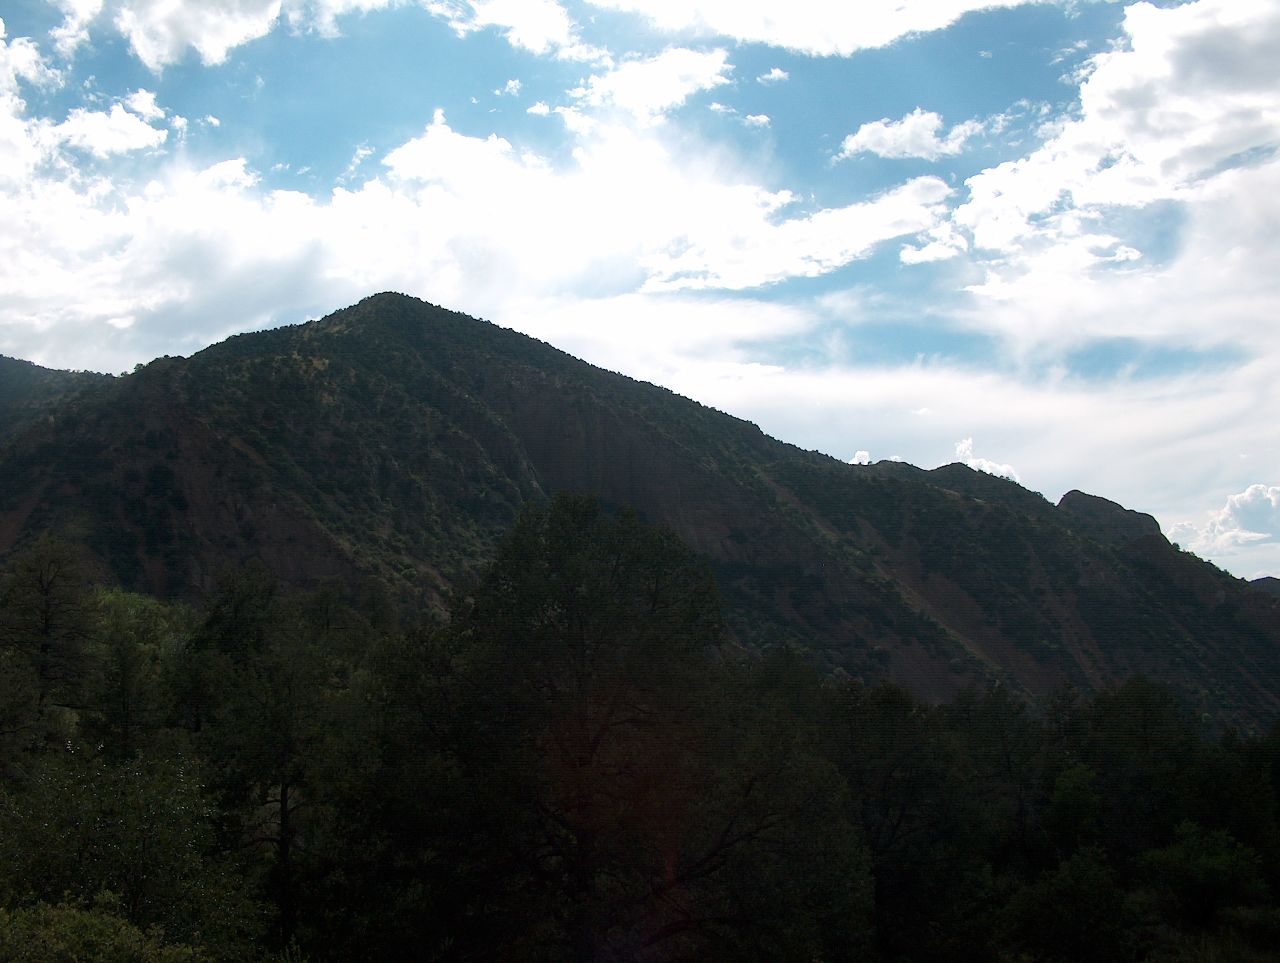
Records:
x=396, y=441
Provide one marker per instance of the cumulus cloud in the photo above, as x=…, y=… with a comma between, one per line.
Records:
x=143, y=103
x=103, y=133
x=964, y=451
x=1252, y=515
x=1249, y=518
x=21, y=62
x=940, y=243
x=915, y=135
x=27, y=142
x=1192, y=92
x=648, y=88
x=1149, y=211
x=860, y=457
x=474, y=222
x=74, y=29
x=162, y=32
x=539, y=26
x=21, y=147
x=776, y=75
x=815, y=27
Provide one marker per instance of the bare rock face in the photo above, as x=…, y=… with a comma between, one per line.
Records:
x=1105, y=520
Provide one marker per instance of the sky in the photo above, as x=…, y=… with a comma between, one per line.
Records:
x=1040, y=238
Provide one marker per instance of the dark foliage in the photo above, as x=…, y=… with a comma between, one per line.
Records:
x=394, y=443
x=574, y=764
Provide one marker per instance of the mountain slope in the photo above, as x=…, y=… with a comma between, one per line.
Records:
x=28, y=391
x=397, y=440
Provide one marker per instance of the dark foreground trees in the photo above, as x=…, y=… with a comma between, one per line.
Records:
x=600, y=786
x=571, y=766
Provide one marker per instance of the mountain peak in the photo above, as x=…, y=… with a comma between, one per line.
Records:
x=397, y=440
x=1105, y=520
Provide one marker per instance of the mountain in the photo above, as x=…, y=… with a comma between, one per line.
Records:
x=27, y=391
x=1267, y=584
x=396, y=441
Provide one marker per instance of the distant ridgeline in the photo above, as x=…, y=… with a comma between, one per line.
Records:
x=391, y=445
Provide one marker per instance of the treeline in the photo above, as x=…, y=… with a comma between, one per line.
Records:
x=573, y=766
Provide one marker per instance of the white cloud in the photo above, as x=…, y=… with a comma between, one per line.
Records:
x=964, y=451
x=774, y=76
x=21, y=62
x=143, y=103
x=473, y=222
x=915, y=135
x=860, y=457
x=943, y=242
x=1194, y=90
x=20, y=139
x=510, y=88
x=161, y=31
x=656, y=337
x=1252, y=515
x=103, y=133
x=322, y=15
x=539, y=109
x=1079, y=283
x=756, y=120
x=74, y=29
x=539, y=26
x=816, y=27
x=751, y=247
x=647, y=89
x=1243, y=535
x=361, y=154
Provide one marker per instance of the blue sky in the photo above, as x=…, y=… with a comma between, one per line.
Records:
x=1037, y=237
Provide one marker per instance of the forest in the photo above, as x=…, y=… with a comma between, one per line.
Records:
x=575, y=762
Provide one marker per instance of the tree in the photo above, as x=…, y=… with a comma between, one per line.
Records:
x=143, y=831
x=46, y=614
x=1143, y=747
x=1075, y=913
x=631, y=796
x=65, y=934
x=1203, y=872
x=273, y=679
x=584, y=649
x=910, y=792
x=137, y=642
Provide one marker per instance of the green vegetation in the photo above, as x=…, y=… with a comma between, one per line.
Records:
x=573, y=763
x=394, y=443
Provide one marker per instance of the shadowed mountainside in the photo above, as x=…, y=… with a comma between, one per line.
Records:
x=27, y=391
x=395, y=441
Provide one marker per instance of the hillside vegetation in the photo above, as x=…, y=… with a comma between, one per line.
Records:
x=575, y=764
x=392, y=444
